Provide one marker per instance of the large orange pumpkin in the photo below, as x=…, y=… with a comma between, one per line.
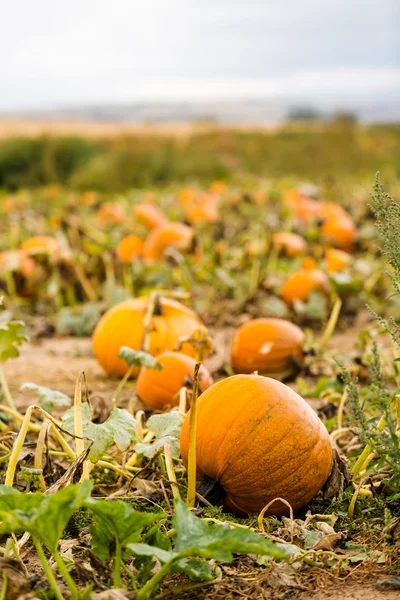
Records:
x=258, y=440
x=122, y=325
x=169, y=234
x=291, y=243
x=129, y=248
x=336, y=260
x=340, y=230
x=160, y=389
x=300, y=285
x=269, y=346
x=149, y=215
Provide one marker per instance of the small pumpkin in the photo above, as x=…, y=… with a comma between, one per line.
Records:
x=336, y=260
x=292, y=244
x=304, y=208
x=270, y=346
x=149, y=215
x=340, y=230
x=129, y=248
x=170, y=234
x=110, y=213
x=203, y=210
x=122, y=325
x=300, y=285
x=40, y=244
x=326, y=210
x=160, y=389
x=257, y=440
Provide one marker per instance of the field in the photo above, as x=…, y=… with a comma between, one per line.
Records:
x=199, y=369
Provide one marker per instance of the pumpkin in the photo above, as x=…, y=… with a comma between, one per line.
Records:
x=40, y=244
x=267, y=345
x=204, y=210
x=129, y=248
x=111, y=213
x=160, y=389
x=291, y=243
x=169, y=234
x=300, y=285
x=217, y=187
x=149, y=215
x=304, y=208
x=309, y=263
x=327, y=210
x=336, y=260
x=340, y=230
x=122, y=325
x=257, y=440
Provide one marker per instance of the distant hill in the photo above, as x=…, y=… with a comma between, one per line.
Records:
x=224, y=112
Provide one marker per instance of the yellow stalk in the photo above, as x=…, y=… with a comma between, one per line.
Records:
x=79, y=442
x=171, y=472
x=330, y=327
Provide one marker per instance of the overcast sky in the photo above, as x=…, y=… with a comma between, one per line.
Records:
x=70, y=52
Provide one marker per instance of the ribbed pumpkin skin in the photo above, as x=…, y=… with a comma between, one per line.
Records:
x=260, y=440
x=160, y=389
x=267, y=346
x=300, y=285
x=122, y=325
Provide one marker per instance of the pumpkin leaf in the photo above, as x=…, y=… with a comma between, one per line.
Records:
x=138, y=357
x=167, y=429
x=44, y=517
x=119, y=429
x=194, y=568
x=48, y=398
x=217, y=541
x=116, y=521
x=12, y=335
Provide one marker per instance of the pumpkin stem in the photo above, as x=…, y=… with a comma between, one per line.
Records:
x=211, y=490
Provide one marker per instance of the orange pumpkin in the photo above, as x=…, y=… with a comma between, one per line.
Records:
x=340, y=230
x=300, y=285
x=129, y=248
x=160, y=389
x=336, y=260
x=291, y=243
x=169, y=234
x=149, y=215
x=111, y=213
x=309, y=263
x=327, y=210
x=205, y=210
x=258, y=440
x=122, y=325
x=304, y=208
x=269, y=346
x=40, y=244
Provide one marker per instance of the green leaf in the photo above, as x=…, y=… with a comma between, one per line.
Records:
x=217, y=541
x=44, y=517
x=48, y=398
x=116, y=521
x=167, y=428
x=119, y=428
x=194, y=568
x=12, y=335
x=138, y=357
